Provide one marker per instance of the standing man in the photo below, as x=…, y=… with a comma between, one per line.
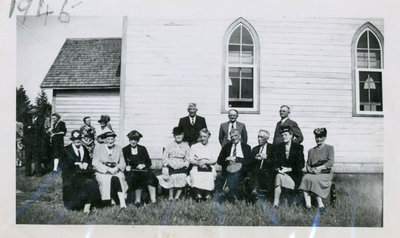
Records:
x=226, y=128
x=57, y=133
x=262, y=172
x=234, y=159
x=34, y=143
x=192, y=125
x=285, y=121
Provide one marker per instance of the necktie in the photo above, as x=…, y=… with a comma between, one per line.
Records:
x=232, y=127
x=192, y=121
x=262, y=161
x=234, y=150
x=79, y=155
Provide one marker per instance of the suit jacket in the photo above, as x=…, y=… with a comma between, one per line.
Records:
x=142, y=157
x=226, y=151
x=34, y=134
x=298, y=136
x=191, y=132
x=267, y=164
x=295, y=160
x=224, y=136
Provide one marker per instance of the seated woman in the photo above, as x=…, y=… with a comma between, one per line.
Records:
x=202, y=174
x=138, y=173
x=289, y=162
x=319, y=176
x=175, y=164
x=79, y=187
x=109, y=164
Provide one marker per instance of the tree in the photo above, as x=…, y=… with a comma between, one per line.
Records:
x=23, y=104
x=42, y=104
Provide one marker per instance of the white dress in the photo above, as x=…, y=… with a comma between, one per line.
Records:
x=202, y=179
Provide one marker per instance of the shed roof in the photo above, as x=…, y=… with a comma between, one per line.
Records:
x=86, y=63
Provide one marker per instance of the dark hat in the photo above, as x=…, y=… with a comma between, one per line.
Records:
x=33, y=110
x=285, y=129
x=108, y=134
x=320, y=132
x=76, y=135
x=134, y=135
x=104, y=118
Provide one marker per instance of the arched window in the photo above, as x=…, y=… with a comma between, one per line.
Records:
x=241, y=68
x=367, y=52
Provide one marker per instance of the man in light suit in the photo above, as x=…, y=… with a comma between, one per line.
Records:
x=192, y=124
x=226, y=127
x=234, y=158
x=285, y=121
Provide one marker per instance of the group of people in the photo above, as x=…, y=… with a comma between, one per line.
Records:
x=95, y=168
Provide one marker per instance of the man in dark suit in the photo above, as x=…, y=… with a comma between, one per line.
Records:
x=234, y=158
x=79, y=186
x=192, y=124
x=34, y=144
x=262, y=173
x=226, y=127
x=285, y=121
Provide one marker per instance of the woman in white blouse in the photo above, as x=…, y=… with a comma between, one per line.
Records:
x=203, y=159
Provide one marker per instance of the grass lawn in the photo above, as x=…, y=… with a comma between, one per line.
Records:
x=359, y=204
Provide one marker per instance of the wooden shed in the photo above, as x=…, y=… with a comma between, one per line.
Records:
x=85, y=81
x=328, y=70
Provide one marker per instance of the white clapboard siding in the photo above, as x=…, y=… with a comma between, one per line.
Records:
x=74, y=105
x=304, y=62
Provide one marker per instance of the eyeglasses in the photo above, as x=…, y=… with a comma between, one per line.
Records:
x=282, y=111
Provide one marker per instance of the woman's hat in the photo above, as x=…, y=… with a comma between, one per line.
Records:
x=104, y=118
x=76, y=135
x=134, y=135
x=320, y=132
x=108, y=134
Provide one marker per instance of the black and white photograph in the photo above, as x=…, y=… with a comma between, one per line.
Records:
x=227, y=119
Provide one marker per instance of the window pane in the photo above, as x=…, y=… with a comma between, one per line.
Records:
x=362, y=42
x=375, y=59
x=247, y=88
x=373, y=42
x=234, y=72
x=247, y=72
x=247, y=54
x=241, y=104
x=246, y=37
x=234, y=54
x=370, y=85
x=234, y=88
x=235, y=37
x=362, y=58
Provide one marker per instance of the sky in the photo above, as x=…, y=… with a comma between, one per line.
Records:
x=39, y=42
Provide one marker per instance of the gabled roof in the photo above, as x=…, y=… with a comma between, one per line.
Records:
x=86, y=63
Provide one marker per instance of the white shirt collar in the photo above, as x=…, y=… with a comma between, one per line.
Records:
x=283, y=120
x=134, y=151
x=81, y=151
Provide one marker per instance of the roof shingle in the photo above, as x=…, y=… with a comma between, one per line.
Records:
x=86, y=62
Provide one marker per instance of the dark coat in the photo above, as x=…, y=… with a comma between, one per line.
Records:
x=142, y=157
x=57, y=141
x=295, y=160
x=226, y=151
x=267, y=164
x=297, y=135
x=34, y=134
x=191, y=132
x=79, y=186
x=224, y=129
